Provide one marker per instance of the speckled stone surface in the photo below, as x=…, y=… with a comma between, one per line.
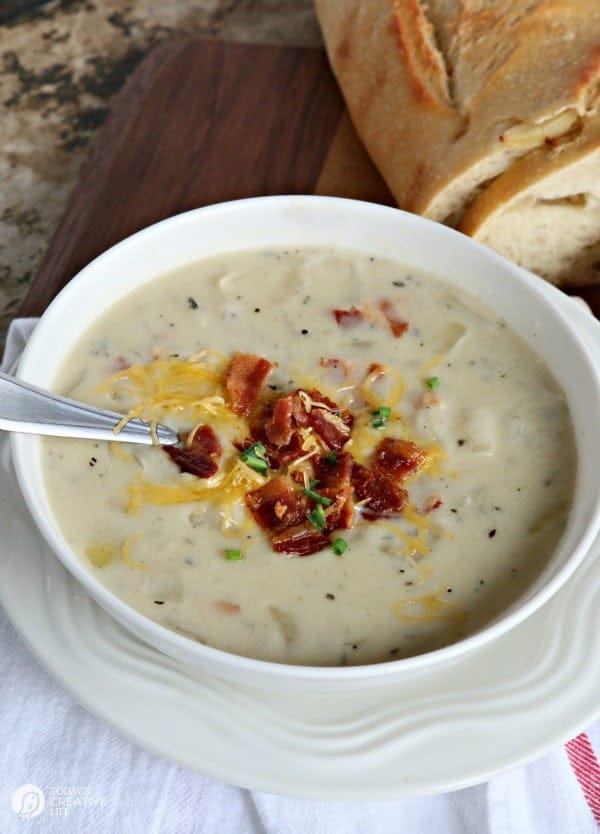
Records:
x=60, y=66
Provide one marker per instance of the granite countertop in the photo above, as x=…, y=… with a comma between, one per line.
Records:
x=61, y=63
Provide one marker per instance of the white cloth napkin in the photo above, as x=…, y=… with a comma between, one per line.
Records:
x=49, y=742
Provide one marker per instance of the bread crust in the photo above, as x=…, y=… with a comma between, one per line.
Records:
x=443, y=94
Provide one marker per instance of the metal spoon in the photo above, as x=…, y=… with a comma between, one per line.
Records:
x=25, y=408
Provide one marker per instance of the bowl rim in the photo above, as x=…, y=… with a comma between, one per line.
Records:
x=210, y=656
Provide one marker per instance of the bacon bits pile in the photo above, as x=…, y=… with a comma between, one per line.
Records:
x=301, y=506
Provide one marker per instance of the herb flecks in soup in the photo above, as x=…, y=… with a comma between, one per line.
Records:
x=382, y=424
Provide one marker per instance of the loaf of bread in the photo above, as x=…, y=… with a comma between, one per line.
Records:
x=482, y=114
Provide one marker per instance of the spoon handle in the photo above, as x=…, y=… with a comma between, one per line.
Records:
x=25, y=408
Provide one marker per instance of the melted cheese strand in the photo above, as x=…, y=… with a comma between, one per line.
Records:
x=429, y=607
x=126, y=549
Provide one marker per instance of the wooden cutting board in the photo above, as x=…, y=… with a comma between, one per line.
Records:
x=203, y=121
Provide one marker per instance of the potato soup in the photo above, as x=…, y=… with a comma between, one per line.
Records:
x=373, y=464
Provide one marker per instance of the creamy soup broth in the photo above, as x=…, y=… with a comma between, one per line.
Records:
x=484, y=515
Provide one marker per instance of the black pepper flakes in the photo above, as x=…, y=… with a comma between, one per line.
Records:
x=491, y=534
x=192, y=303
x=329, y=596
x=304, y=331
x=461, y=442
x=159, y=602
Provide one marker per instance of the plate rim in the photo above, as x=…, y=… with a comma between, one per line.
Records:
x=80, y=689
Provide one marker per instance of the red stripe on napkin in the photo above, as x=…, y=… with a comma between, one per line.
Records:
x=585, y=764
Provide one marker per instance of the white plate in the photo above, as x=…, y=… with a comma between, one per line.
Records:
x=500, y=706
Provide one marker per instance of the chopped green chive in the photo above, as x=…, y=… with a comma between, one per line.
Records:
x=320, y=499
x=381, y=416
x=317, y=518
x=254, y=457
x=331, y=457
x=314, y=483
x=433, y=382
x=234, y=555
x=339, y=546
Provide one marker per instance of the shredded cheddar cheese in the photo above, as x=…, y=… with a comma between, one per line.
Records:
x=231, y=485
x=194, y=390
x=101, y=555
x=126, y=549
x=423, y=523
x=386, y=397
x=430, y=365
x=436, y=455
x=429, y=607
x=189, y=388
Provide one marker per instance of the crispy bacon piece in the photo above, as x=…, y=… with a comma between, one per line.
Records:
x=301, y=540
x=385, y=498
x=277, y=456
x=246, y=376
x=285, y=455
x=331, y=428
x=334, y=476
x=335, y=483
x=201, y=454
x=398, y=458
x=279, y=426
x=277, y=505
x=349, y=318
x=331, y=423
x=298, y=410
x=281, y=507
x=397, y=325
